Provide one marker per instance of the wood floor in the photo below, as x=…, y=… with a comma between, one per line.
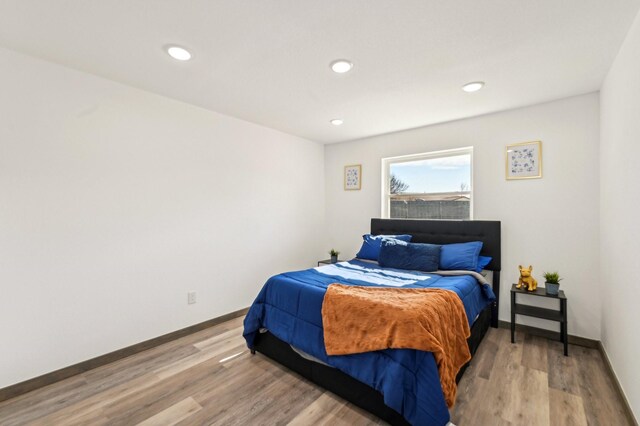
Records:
x=210, y=378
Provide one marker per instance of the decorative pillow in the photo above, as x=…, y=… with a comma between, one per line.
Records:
x=402, y=255
x=483, y=261
x=371, y=245
x=461, y=256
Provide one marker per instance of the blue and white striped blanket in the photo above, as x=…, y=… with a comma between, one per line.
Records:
x=373, y=274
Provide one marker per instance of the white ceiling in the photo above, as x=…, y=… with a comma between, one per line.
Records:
x=267, y=61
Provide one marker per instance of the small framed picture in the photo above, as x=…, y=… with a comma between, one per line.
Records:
x=524, y=160
x=352, y=177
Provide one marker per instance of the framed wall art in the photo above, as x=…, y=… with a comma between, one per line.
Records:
x=524, y=160
x=352, y=177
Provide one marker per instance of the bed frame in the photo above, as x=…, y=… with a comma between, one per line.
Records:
x=423, y=231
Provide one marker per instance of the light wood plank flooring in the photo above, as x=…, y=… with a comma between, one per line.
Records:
x=210, y=378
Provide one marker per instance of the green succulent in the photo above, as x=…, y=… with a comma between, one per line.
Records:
x=552, y=277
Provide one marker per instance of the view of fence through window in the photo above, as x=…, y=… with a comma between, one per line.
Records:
x=430, y=187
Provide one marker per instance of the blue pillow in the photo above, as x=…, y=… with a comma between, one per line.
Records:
x=402, y=255
x=483, y=261
x=461, y=256
x=371, y=245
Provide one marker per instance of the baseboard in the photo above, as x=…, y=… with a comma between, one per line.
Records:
x=72, y=370
x=549, y=334
x=614, y=378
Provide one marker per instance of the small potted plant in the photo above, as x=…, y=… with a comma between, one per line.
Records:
x=334, y=255
x=552, y=283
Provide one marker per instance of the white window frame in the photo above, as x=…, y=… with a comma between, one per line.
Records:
x=387, y=162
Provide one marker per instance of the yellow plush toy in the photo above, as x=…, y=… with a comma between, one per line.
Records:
x=526, y=280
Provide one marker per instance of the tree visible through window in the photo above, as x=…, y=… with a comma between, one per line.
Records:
x=428, y=186
x=396, y=186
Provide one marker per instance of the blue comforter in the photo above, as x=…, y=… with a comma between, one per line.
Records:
x=290, y=304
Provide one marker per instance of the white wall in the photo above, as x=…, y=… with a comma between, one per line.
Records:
x=551, y=222
x=114, y=203
x=620, y=214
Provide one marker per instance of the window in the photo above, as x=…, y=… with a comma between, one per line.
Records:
x=435, y=185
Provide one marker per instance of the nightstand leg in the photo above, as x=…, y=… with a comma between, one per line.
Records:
x=565, y=334
x=513, y=317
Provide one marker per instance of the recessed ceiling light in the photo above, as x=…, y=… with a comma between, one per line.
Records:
x=341, y=66
x=473, y=86
x=337, y=121
x=179, y=53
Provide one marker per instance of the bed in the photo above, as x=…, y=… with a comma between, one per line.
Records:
x=398, y=385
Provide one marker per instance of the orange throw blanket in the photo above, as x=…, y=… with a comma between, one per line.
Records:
x=362, y=319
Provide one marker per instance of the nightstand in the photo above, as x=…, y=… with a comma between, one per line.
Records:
x=534, y=311
x=327, y=262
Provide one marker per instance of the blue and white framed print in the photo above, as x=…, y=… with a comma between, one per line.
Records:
x=352, y=177
x=524, y=160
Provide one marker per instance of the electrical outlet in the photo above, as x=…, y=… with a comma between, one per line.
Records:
x=191, y=297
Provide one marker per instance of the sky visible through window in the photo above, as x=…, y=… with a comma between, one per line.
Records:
x=445, y=174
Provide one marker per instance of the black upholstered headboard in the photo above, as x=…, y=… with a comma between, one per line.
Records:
x=448, y=232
